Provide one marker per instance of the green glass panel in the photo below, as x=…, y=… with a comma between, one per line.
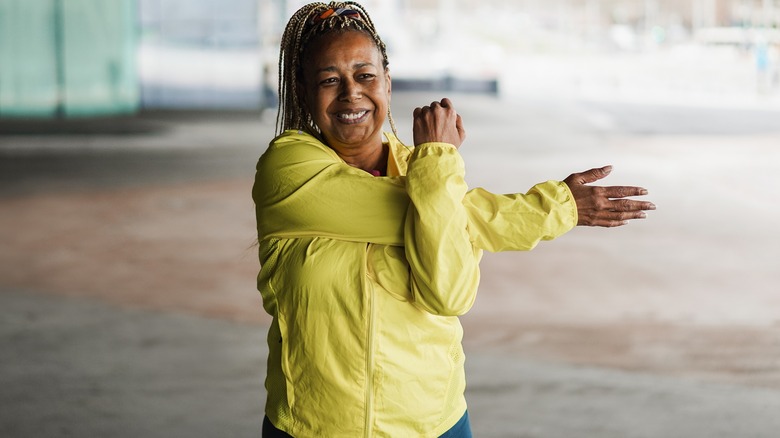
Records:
x=99, y=57
x=28, y=58
x=68, y=57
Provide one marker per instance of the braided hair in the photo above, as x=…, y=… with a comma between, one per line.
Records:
x=306, y=25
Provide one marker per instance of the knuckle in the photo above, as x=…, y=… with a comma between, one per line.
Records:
x=586, y=219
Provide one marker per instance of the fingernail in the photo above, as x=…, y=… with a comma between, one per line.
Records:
x=643, y=192
x=651, y=207
x=643, y=215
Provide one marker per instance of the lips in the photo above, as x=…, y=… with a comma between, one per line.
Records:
x=352, y=116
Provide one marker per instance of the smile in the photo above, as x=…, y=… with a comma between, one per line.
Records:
x=352, y=117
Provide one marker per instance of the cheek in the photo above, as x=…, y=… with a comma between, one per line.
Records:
x=319, y=105
x=385, y=100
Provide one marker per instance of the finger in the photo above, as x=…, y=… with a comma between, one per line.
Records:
x=629, y=205
x=446, y=103
x=606, y=218
x=590, y=176
x=417, y=112
x=619, y=215
x=622, y=191
x=602, y=220
x=608, y=223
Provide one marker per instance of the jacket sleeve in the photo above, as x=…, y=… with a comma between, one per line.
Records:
x=444, y=263
x=302, y=190
x=517, y=222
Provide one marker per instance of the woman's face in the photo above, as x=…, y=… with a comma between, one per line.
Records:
x=347, y=90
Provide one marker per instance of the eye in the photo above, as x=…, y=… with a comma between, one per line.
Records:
x=366, y=76
x=329, y=81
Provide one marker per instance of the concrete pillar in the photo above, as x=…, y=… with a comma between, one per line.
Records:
x=704, y=14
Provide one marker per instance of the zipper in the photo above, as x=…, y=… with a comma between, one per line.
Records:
x=369, y=400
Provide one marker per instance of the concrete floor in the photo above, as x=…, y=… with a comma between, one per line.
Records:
x=127, y=276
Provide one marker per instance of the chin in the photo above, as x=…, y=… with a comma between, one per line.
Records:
x=357, y=139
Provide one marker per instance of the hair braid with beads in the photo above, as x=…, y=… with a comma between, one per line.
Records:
x=305, y=26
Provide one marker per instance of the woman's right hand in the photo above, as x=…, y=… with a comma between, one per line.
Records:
x=438, y=122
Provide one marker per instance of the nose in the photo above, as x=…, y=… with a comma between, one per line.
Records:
x=350, y=90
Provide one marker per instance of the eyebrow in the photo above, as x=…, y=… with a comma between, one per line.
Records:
x=357, y=66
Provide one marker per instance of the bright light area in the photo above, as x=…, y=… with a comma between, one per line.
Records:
x=682, y=53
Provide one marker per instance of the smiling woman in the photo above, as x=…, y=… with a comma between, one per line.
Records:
x=347, y=92
x=370, y=249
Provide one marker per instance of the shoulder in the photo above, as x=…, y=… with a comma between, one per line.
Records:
x=294, y=147
x=291, y=159
x=278, y=169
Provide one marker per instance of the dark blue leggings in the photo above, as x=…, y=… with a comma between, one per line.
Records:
x=462, y=429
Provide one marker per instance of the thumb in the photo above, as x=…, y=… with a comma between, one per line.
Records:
x=460, y=128
x=590, y=176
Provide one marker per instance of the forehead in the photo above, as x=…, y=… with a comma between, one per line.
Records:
x=335, y=48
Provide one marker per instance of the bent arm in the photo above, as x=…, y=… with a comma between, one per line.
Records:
x=444, y=263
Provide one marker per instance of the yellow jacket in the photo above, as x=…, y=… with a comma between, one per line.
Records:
x=365, y=277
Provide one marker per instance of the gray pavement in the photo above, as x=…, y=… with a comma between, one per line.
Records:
x=669, y=328
x=71, y=367
x=76, y=367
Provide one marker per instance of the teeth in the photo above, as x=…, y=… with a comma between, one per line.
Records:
x=352, y=116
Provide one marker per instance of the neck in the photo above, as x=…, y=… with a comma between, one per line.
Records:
x=368, y=159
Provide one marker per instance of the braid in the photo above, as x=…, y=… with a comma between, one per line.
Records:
x=303, y=28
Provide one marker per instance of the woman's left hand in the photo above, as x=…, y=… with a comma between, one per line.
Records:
x=605, y=206
x=438, y=122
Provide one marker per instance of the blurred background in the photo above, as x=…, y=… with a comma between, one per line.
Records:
x=84, y=57
x=129, y=130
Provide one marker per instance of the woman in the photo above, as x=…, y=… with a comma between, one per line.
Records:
x=370, y=250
